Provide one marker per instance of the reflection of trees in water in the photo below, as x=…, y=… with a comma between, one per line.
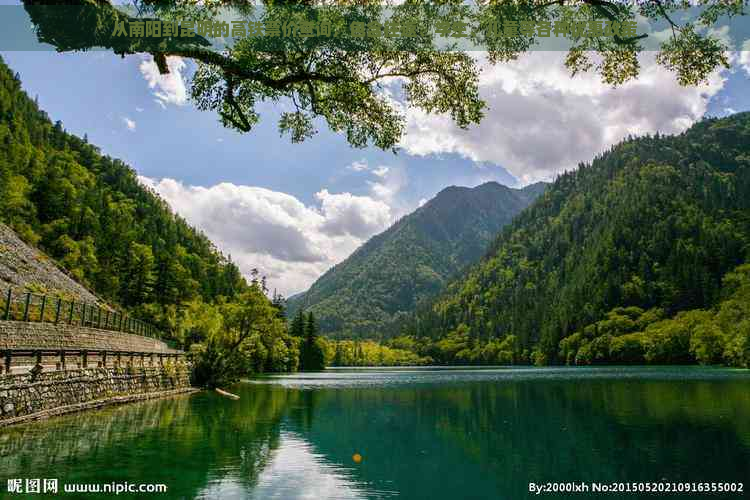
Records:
x=77, y=434
x=499, y=436
x=438, y=441
x=183, y=442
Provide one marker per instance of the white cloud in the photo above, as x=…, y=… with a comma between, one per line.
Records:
x=140, y=110
x=390, y=183
x=744, y=56
x=169, y=88
x=721, y=33
x=346, y=214
x=359, y=166
x=291, y=243
x=130, y=124
x=541, y=120
x=297, y=471
x=381, y=171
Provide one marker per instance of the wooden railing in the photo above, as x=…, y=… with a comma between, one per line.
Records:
x=34, y=307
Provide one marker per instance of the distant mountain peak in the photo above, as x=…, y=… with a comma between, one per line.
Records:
x=412, y=260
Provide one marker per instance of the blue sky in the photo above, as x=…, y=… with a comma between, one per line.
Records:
x=96, y=92
x=293, y=210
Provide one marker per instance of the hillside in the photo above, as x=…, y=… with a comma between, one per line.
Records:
x=411, y=261
x=654, y=227
x=24, y=268
x=89, y=212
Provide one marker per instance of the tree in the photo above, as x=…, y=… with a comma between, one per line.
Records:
x=312, y=354
x=338, y=357
x=338, y=79
x=298, y=325
x=139, y=276
x=249, y=341
x=707, y=343
x=279, y=302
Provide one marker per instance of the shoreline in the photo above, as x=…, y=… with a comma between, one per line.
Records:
x=94, y=405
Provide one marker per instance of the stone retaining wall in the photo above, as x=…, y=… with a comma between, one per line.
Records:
x=25, y=336
x=28, y=396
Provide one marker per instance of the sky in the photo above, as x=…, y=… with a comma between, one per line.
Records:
x=294, y=210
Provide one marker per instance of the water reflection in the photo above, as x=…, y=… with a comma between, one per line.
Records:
x=421, y=434
x=298, y=471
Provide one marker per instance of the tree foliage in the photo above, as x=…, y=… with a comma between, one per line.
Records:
x=92, y=215
x=312, y=355
x=247, y=337
x=621, y=260
x=340, y=80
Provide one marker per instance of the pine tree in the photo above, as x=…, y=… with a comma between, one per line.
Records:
x=279, y=302
x=338, y=359
x=312, y=355
x=298, y=325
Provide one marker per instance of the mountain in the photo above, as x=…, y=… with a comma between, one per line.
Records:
x=411, y=261
x=90, y=214
x=627, y=245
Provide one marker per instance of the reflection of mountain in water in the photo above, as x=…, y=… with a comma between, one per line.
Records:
x=489, y=440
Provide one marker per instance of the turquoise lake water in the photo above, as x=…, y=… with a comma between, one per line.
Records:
x=417, y=433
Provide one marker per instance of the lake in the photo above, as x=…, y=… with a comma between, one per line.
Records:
x=432, y=433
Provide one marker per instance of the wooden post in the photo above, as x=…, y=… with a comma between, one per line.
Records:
x=85, y=359
x=104, y=359
x=57, y=310
x=7, y=304
x=62, y=360
x=26, y=307
x=70, y=314
x=7, y=362
x=44, y=305
x=106, y=320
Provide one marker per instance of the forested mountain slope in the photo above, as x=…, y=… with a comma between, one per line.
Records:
x=411, y=261
x=90, y=213
x=647, y=230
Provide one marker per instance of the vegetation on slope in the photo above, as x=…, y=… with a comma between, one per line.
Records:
x=411, y=261
x=90, y=213
x=647, y=231
x=24, y=268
